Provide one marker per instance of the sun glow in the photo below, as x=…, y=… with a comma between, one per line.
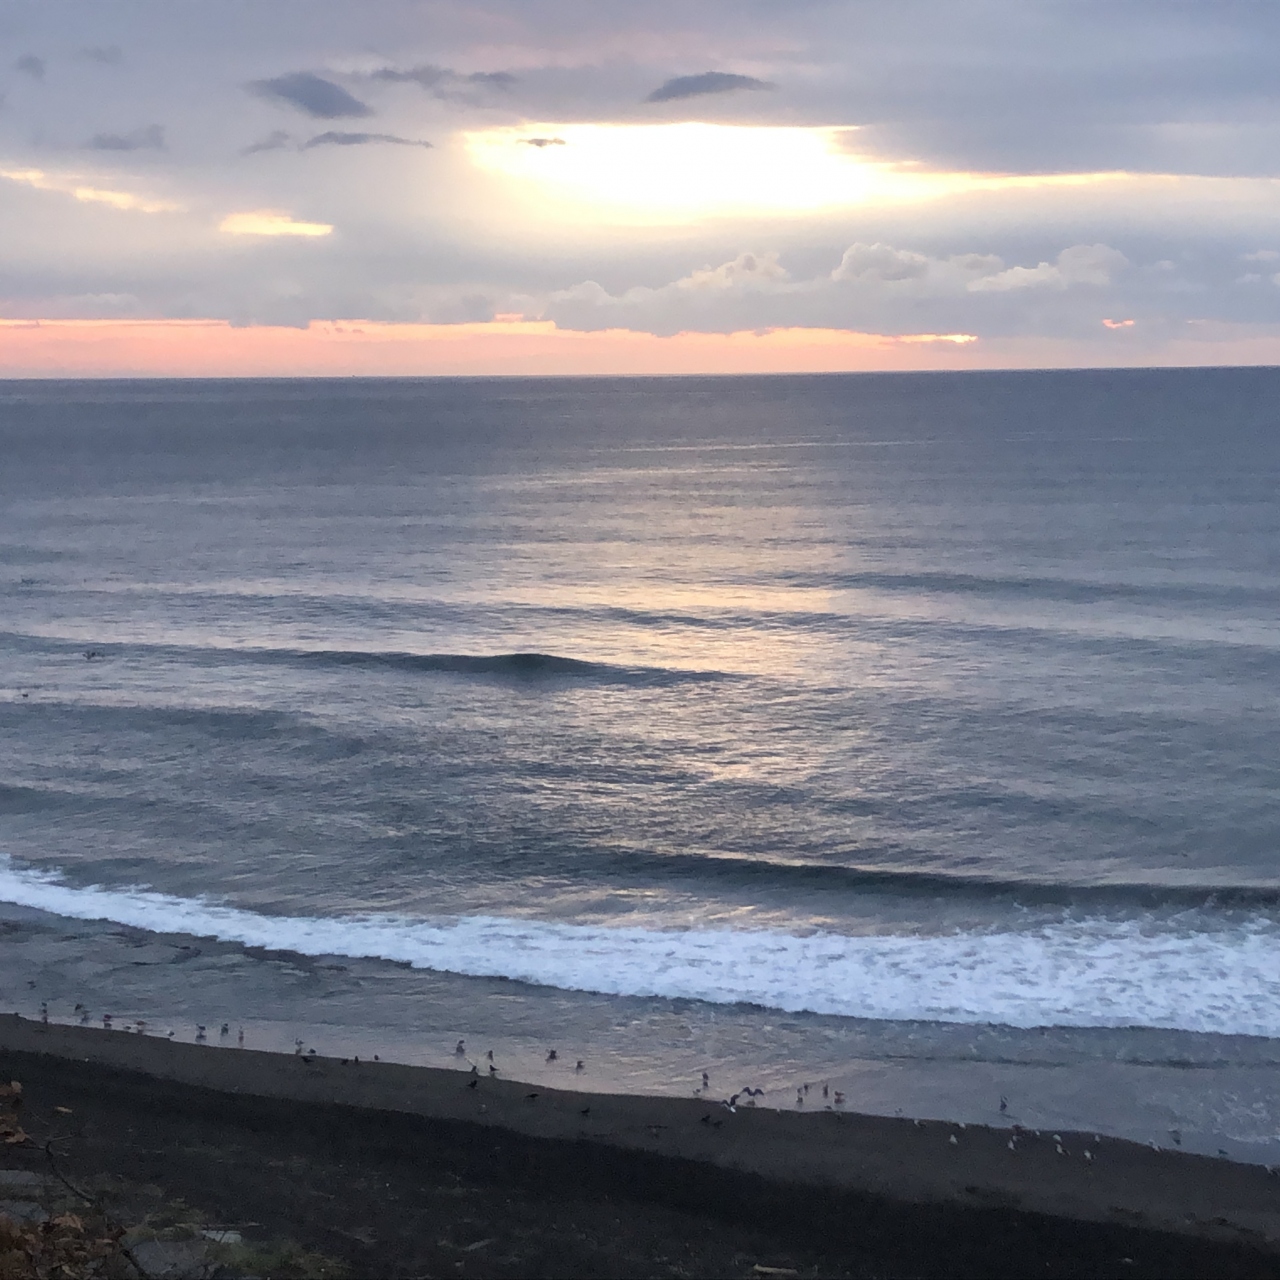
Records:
x=692, y=169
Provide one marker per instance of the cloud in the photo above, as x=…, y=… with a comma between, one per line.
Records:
x=442, y=80
x=543, y=142
x=881, y=264
x=1261, y=255
x=1091, y=264
x=150, y=138
x=31, y=66
x=271, y=222
x=707, y=82
x=108, y=55
x=426, y=76
x=274, y=141
x=495, y=79
x=313, y=94
x=72, y=186
x=336, y=138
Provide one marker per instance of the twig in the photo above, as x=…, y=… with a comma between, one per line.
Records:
x=96, y=1202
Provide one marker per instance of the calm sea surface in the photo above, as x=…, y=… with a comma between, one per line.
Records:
x=919, y=733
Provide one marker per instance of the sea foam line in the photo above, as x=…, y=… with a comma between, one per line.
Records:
x=1081, y=972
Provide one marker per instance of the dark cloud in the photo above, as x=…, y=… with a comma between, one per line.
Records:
x=442, y=78
x=428, y=77
x=495, y=79
x=543, y=142
x=707, y=82
x=334, y=138
x=150, y=138
x=108, y=55
x=313, y=94
x=274, y=141
x=30, y=65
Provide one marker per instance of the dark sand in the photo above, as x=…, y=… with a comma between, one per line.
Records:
x=396, y=1170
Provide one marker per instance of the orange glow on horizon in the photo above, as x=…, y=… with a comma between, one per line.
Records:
x=216, y=349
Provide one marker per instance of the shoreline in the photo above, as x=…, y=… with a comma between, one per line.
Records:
x=821, y=1153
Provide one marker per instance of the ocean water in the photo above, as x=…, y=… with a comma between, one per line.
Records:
x=917, y=734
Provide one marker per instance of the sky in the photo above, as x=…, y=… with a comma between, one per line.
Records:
x=585, y=186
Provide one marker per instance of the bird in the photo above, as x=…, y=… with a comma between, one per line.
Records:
x=799, y=1097
x=531, y=1097
x=1088, y=1155
x=1013, y=1146
x=552, y=1055
x=586, y=1111
x=297, y=1048
x=79, y=1008
x=706, y=1080
x=106, y=1021
x=199, y=1032
x=825, y=1091
x=225, y=1029
x=44, y=1011
x=473, y=1083
x=955, y=1142
x=581, y=1065
x=1004, y=1104
x=493, y=1071
x=839, y=1098
x=460, y=1048
x=240, y=1038
x=489, y=1055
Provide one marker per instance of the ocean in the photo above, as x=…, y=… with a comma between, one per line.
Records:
x=915, y=737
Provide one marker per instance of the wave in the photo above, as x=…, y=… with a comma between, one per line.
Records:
x=1088, y=972
x=521, y=665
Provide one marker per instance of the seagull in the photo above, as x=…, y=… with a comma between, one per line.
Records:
x=473, y=1083
x=799, y=1097
x=1004, y=1104
x=839, y=1098
x=581, y=1065
x=460, y=1049
x=706, y=1080
x=552, y=1055
x=955, y=1142
x=240, y=1038
x=825, y=1091
x=199, y=1032
x=225, y=1029
x=297, y=1048
x=489, y=1055
x=493, y=1071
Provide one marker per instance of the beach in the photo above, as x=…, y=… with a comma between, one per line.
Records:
x=343, y=1157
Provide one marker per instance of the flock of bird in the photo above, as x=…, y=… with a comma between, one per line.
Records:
x=832, y=1098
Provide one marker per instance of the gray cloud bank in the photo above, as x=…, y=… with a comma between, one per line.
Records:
x=1000, y=87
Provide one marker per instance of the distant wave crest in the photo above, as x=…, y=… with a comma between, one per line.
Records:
x=1082, y=972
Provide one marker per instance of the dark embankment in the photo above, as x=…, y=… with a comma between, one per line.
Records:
x=401, y=1171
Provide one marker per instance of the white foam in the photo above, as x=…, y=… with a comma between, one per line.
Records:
x=1080, y=972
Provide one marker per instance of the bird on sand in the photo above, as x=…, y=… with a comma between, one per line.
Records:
x=552, y=1055
x=460, y=1049
x=581, y=1065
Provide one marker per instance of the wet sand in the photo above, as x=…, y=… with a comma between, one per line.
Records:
x=836, y=1191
